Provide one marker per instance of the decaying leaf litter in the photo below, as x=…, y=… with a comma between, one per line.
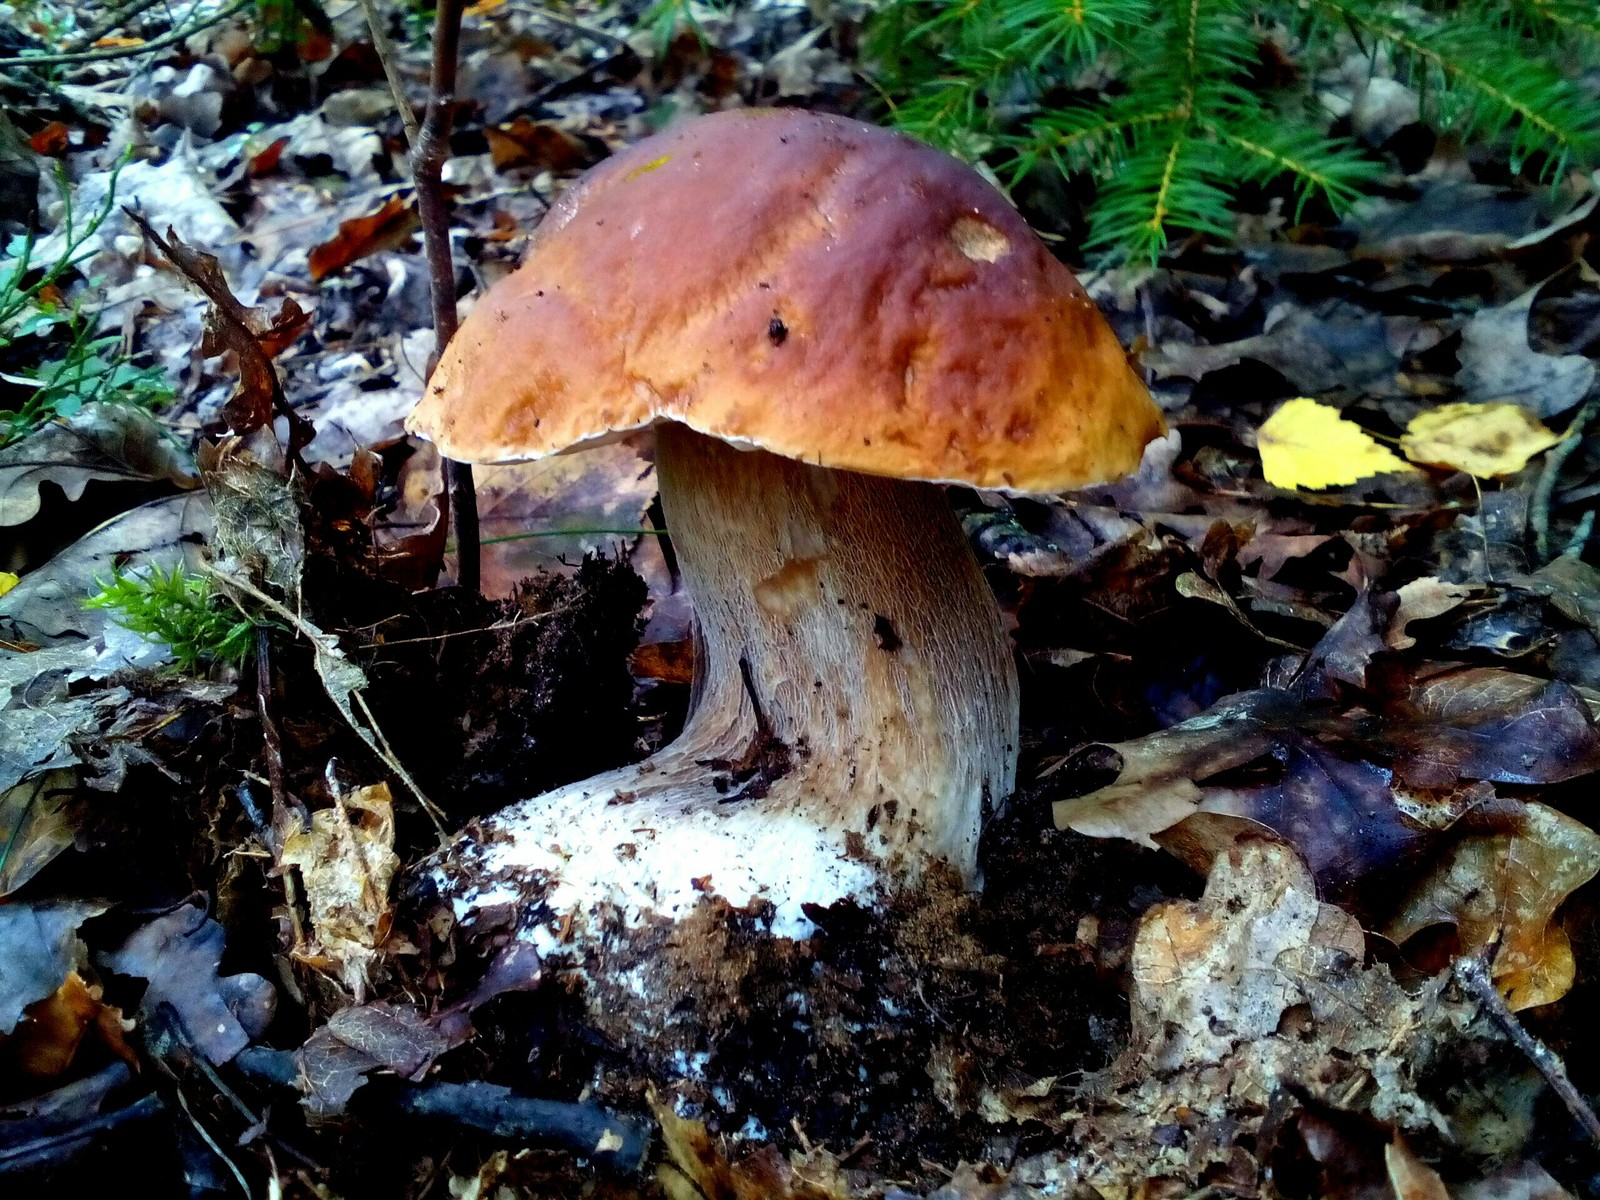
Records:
x=1308, y=703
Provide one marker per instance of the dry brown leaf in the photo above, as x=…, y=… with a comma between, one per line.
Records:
x=391, y=226
x=1411, y=1178
x=249, y=334
x=1505, y=885
x=38, y=821
x=1255, y=986
x=697, y=1168
x=53, y=140
x=529, y=143
x=47, y=1039
x=347, y=862
x=1420, y=600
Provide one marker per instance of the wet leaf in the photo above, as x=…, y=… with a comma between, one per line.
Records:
x=1488, y=440
x=1309, y=445
x=179, y=954
x=1502, y=887
x=387, y=229
x=347, y=862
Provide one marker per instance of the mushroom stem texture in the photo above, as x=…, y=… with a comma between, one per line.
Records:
x=845, y=631
x=854, y=713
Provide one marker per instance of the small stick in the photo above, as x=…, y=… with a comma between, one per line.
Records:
x=160, y=43
x=1539, y=504
x=386, y=56
x=1473, y=975
x=428, y=157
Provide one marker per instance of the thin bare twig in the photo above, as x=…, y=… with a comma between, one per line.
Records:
x=88, y=56
x=427, y=171
x=1473, y=975
x=1539, y=505
x=391, y=72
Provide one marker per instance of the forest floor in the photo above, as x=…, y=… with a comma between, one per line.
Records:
x=1292, y=899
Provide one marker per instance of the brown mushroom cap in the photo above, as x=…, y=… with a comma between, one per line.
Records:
x=824, y=289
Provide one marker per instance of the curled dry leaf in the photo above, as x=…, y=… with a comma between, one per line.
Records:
x=1501, y=887
x=1411, y=1178
x=1421, y=600
x=1255, y=986
x=248, y=333
x=1309, y=445
x=1488, y=440
x=347, y=862
x=698, y=1169
x=387, y=229
x=542, y=144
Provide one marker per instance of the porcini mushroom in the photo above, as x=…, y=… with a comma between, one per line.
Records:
x=822, y=320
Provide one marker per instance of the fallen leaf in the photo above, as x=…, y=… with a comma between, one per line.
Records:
x=1487, y=440
x=388, y=228
x=336, y=1060
x=48, y=602
x=1499, y=366
x=46, y=1041
x=1422, y=600
x=179, y=954
x=249, y=334
x=51, y=141
x=1256, y=986
x=698, y=1169
x=38, y=821
x=1309, y=445
x=114, y=443
x=39, y=947
x=1502, y=887
x=1518, y=1181
x=8, y=581
x=1411, y=1178
x=266, y=161
x=541, y=144
x=1452, y=723
x=347, y=862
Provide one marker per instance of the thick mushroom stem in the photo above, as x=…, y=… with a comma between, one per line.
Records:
x=848, y=645
x=854, y=711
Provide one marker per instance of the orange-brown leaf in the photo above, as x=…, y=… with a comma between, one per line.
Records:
x=358, y=237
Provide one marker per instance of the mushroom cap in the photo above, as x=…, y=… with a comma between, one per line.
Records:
x=824, y=289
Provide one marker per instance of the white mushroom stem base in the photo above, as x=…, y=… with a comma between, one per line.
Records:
x=854, y=715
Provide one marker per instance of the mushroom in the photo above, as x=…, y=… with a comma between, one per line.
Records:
x=822, y=321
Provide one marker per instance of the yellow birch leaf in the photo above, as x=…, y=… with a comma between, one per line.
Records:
x=1480, y=439
x=1309, y=445
x=7, y=582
